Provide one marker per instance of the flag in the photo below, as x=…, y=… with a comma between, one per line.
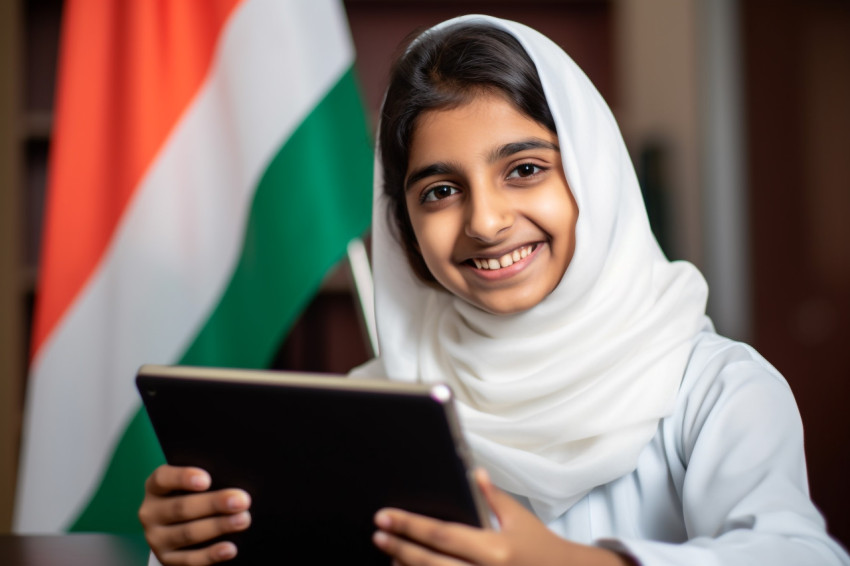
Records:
x=210, y=161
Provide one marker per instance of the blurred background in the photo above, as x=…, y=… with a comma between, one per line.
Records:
x=737, y=118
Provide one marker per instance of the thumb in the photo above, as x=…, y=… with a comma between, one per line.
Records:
x=503, y=505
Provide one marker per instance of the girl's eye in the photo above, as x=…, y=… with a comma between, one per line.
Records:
x=438, y=193
x=525, y=170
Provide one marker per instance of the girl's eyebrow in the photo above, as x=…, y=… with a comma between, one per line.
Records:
x=501, y=152
x=509, y=149
x=439, y=168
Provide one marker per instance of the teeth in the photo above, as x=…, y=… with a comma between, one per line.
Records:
x=504, y=261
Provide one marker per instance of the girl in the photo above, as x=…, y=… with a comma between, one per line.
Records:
x=514, y=260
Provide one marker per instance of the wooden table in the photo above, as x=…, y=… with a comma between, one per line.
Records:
x=73, y=549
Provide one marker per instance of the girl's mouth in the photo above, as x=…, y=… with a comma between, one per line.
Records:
x=504, y=261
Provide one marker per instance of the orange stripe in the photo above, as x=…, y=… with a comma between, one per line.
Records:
x=128, y=70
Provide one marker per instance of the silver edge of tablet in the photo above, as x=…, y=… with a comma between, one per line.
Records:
x=304, y=379
x=484, y=513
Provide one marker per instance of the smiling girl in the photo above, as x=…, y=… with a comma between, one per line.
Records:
x=513, y=259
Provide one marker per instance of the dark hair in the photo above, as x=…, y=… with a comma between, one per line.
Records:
x=444, y=69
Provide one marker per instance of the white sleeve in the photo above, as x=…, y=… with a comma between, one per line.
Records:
x=745, y=493
x=372, y=369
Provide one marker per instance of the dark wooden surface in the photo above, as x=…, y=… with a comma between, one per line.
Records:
x=73, y=549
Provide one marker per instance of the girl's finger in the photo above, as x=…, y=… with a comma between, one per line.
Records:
x=448, y=538
x=201, y=557
x=180, y=509
x=167, y=479
x=482, y=478
x=503, y=505
x=176, y=537
x=411, y=554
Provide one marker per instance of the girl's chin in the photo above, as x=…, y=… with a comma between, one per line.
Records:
x=505, y=305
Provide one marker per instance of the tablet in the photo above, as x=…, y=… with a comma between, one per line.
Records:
x=318, y=454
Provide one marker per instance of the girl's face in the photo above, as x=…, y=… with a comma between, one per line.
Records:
x=493, y=216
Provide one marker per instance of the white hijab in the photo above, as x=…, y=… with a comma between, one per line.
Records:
x=563, y=397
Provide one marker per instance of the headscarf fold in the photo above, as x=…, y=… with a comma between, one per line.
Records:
x=564, y=396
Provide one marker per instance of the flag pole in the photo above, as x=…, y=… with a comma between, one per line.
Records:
x=361, y=272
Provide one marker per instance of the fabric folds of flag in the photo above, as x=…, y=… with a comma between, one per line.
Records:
x=210, y=161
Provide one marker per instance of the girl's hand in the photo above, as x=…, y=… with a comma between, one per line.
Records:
x=174, y=519
x=415, y=540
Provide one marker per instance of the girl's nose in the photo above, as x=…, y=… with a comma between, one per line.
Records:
x=489, y=214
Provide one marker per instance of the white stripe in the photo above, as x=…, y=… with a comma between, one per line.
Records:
x=174, y=250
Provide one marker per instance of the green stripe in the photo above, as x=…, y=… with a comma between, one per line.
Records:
x=314, y=197
x=115, y=504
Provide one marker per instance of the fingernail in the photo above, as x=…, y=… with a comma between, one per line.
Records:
x=240, y=520
x=237, y=502
x=226, y=552
x=380, y=538
x=200, y=481
x=383, y=520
